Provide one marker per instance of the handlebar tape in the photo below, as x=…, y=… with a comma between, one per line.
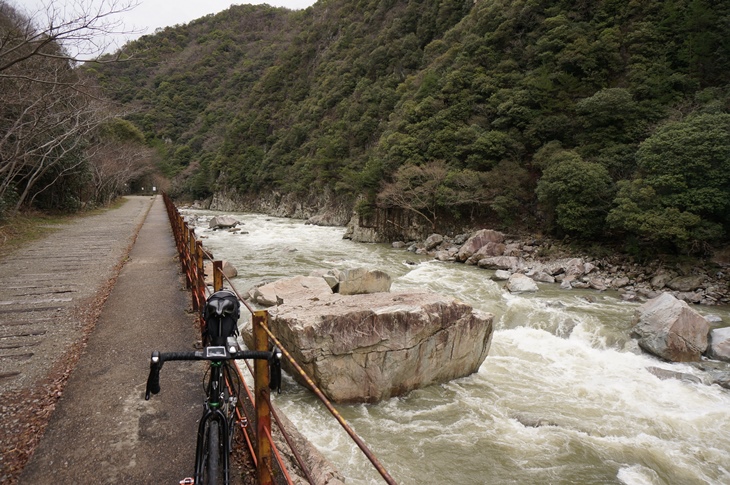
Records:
x=153, y=381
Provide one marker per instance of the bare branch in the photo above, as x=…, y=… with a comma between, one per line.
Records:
x=77, y=31
x=51, y=113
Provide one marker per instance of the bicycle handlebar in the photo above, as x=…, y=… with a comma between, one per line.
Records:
x=208, y=353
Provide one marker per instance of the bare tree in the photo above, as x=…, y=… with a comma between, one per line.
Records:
x=75, y=31
x=427, y=189
x=416, y=188
x=47, y=111
x=114, y=164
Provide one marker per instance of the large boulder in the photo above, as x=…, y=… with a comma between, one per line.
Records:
x=489, y=250
x=474, y=243
x=432, y=241
x=507, y=263
x=519, y=283
x=222, y=222
x=332, y=277
x=366, y=348
x=358, y=281
x=670, y=329
x=685, y=283
x=283, y=290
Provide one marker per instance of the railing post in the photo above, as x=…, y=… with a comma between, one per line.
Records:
x=199, y=288
x=184, y=245
x=263, y=408
x=190, y=256
x=217, y=275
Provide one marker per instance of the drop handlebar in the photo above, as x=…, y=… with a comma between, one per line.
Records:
x=216, y=354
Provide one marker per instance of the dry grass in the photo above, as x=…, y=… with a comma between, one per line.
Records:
x=29, y=226
x=19, y=230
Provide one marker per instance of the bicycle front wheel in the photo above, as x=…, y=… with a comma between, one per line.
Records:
x=212, y=472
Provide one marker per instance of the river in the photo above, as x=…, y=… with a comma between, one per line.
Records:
x=558, y=400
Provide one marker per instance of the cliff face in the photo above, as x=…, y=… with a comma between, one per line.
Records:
x=325, y=209
x=321, y=208
x=386, y=225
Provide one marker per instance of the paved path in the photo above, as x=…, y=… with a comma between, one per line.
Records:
x=102, y=430
x=47, y=288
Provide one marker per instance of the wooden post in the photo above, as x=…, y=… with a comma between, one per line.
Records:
x=190, y=253
x=179, y=238
x=199, y=288
x=217, y=275
x=185, y=257
x=263, y=407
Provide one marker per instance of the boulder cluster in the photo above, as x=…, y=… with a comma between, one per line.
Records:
x=544, y=262
x=355, y=281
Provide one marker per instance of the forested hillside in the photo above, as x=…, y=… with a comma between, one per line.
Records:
x=601, y=120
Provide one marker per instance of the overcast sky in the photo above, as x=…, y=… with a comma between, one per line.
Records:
x=152, y=14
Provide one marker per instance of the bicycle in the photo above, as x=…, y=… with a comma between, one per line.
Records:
x=217, y=424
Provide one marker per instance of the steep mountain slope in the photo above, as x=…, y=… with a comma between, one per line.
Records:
x=529, y=112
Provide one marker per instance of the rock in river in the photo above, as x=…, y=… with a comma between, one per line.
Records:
x=366, y=348
x=519, y=283
x=223, y=222
x=294, y=288
x=670, y=329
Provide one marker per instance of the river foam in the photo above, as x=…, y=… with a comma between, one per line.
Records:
x=557, y=400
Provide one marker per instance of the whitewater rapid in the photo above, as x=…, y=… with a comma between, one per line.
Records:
x=560, y=399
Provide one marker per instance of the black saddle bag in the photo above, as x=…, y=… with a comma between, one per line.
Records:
x=221, y=313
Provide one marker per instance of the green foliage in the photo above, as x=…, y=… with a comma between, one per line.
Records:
x=121, y=130
x=688, y=164
x=683, y=199
x=575, y=194
x=639, y=212
x=538, y=109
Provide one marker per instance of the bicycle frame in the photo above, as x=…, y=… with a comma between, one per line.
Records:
x=216, y=405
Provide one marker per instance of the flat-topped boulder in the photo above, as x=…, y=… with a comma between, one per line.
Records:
x=294, y=288
x=370, y=347
x=222, y=222
x=361, y=280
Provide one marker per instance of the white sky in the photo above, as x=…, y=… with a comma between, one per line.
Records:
x=148, y=15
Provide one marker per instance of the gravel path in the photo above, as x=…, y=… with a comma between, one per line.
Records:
x=74, y=354
x=51, y=292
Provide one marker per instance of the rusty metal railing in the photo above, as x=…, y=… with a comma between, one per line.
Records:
x=261, y=446
x=192, y=258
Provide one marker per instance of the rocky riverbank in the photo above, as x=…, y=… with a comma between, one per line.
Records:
x=546, y=261
x=543, y=260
